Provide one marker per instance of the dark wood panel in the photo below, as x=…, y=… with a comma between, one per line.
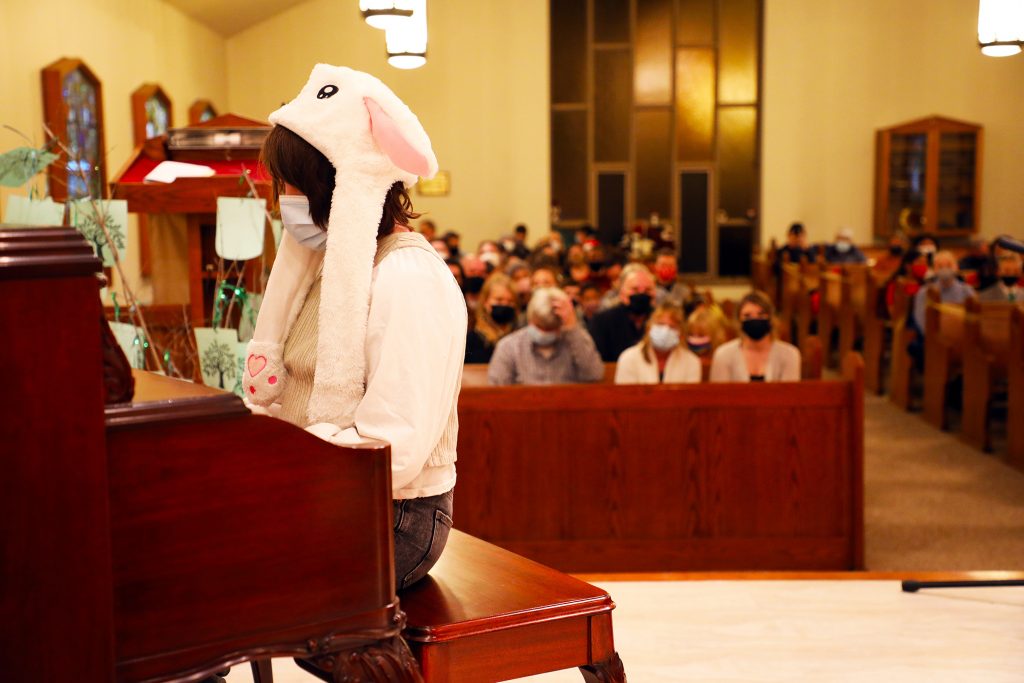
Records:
x=611, y=21
x=737, y=161
x=569, y=163
x=611, y=207
x=653, y=186
x=568, y=50
x=662, y=478
x=613, y=100
x=693, y=221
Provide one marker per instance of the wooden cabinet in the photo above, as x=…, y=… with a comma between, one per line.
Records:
x=928, y=177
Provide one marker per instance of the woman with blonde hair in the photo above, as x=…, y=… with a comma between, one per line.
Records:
x=706, y=329
x=756, y=356
x=661, y=357
x=495, y=318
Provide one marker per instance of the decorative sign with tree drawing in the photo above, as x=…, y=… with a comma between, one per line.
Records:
x=86, y=215
x=218, y=356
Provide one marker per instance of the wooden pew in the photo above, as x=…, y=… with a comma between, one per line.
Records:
x=1015, y=391
x=173, y=534
x=901, y=365
x=854, y=300
x=667, y=478
x=829, y=306
x=943, y=344
x=876, y=330
x=475, y=375
x=986, y=356
x=762, y=272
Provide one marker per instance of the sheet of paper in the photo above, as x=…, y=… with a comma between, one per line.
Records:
x=218, y=356
x=130, y=338
x=39, y=212
x=19, y=165
x=240, y=223
x=169, y=171
x=86, y=216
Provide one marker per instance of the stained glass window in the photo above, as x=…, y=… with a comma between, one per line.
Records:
x=83, y=136
x=207, y=114
x=157, y=117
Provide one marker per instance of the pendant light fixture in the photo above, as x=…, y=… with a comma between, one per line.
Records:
x=1001, y=27
x=385, y=14
x=407, y=40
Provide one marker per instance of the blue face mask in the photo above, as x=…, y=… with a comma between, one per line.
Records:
x=540, y=337
x=299, y=224
x=664, y=338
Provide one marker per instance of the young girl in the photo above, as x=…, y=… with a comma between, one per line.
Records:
x=362, y=329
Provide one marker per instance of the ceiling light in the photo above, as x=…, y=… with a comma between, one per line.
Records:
x=1001, y=27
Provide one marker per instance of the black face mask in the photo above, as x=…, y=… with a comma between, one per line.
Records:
x=896, y=250
x=595, y=266
x=473, y=284
x=757, y=328
x=1010, y=280
x=639, y=304
x=503, y=315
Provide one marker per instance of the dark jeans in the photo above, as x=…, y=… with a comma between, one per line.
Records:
x=421, y=531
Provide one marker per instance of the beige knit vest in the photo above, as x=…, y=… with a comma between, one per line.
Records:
x=301, y=347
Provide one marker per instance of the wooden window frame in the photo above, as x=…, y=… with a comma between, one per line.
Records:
x=143, y=94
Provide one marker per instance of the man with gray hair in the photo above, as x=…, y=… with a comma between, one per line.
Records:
x=551, y=349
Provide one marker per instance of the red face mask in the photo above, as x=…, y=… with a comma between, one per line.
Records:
x=666, y=273
x=919, y=270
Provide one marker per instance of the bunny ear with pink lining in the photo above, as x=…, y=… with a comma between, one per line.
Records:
x=396, y=144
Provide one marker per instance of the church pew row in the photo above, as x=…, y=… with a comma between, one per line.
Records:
x=987, y=343
x=667, y=478
x=901, y=365
x=1015, y=390
x=943, y=346
x=475, y=374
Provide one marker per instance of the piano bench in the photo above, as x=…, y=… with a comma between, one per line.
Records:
x=485, y=614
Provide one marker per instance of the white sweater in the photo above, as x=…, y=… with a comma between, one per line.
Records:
x=682, y=367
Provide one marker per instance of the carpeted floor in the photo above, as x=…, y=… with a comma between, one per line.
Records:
x=932, y=502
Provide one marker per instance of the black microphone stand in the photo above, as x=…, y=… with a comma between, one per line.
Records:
x=911, y=586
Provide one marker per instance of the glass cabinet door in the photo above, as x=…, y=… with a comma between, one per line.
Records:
x=957, y=154
x=908, y=161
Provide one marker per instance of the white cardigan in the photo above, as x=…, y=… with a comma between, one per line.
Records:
x=728, y=364
x=682, y=367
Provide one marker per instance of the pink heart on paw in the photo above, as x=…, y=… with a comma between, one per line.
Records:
x=256, y=364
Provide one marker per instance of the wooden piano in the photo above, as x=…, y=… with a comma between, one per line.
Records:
x=170, y=534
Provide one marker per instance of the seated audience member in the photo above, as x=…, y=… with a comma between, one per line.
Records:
x=756, y=356
x=441, y=247
x=898, y=245
x=551, y=349
x=1008, y=284
x=610, y=299
x=795, y=249
x=475, y=272
x=926, y=244
x=622, y=326
x=519, y=249
x=590, y=302
x=977, y=257
x=915, y=271
x=579, y=270
x=705, y=330
x=549, y=249
x=951, y=290
x=495, y=318
x=452, y=238
x=520, y=274
x=586, y=236
x=492, y=254
x=661, y=357
x=844, y=250
x=456, y=268
x=668, y=286
x=544, y=276
x=428, y=229
x=615, y=260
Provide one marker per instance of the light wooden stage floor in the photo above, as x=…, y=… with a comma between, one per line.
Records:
x=801, y=630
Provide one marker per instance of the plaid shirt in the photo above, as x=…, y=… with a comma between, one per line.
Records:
x=517, y=360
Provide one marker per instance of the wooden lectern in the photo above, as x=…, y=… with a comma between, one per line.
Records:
x=195, y=199
x=171, y=535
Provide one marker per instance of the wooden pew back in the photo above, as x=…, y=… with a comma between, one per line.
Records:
x=1015, y=381
x=647, y=478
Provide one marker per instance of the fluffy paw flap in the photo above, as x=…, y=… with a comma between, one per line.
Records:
x=264, y=376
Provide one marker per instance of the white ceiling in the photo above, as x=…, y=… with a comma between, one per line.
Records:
x=228, y=17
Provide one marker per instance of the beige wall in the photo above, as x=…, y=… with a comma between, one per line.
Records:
x=835, y=71
x=482, y=96
x=125, y=44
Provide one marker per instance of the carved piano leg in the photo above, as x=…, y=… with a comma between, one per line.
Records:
x=608, y=671
x=386, y=661
x=262, y=671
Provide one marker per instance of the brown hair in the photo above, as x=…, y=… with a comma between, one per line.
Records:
x=759, y=299
x=290, y=159
x=485, y=324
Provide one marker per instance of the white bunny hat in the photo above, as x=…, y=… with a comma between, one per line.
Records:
x=373, y=140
